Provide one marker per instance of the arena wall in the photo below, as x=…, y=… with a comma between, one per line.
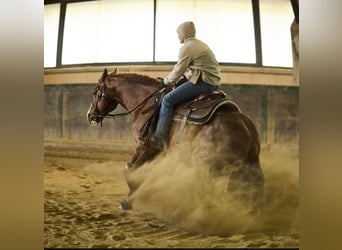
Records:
x=268, y=96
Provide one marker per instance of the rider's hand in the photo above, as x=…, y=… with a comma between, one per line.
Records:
x=162, y=84
x=182, y=80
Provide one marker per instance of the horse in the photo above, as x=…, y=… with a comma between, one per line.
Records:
x=229, y=140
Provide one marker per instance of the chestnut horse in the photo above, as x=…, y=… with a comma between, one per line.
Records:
x=228, y=140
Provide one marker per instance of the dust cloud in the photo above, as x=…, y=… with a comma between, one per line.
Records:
x=281, y=195
x=187, y=195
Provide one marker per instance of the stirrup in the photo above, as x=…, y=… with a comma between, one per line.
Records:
x=154, y=138
x=156, y=143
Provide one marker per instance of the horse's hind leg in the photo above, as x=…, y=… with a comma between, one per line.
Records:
x=245, y=181
x=247, y=185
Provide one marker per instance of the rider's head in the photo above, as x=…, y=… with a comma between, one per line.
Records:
x=185, y=31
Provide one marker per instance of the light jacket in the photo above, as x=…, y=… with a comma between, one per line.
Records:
x=197, y=57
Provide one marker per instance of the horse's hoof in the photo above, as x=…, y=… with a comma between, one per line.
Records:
x=125, y=205
x=128, y=168
x=128, y=165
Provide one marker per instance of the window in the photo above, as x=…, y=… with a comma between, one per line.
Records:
x=225, y=25
x=139, y=31
x=51, y=21
x=108, y=31
x=276, y=17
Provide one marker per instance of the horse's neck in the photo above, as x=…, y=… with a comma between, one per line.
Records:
x=132, y=95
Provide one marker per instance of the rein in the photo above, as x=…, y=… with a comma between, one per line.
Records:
x=120, y=115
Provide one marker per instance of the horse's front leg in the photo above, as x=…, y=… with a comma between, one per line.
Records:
x=138, y=159
x=142, y=155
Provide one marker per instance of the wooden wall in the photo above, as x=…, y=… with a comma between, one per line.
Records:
x=268, y=96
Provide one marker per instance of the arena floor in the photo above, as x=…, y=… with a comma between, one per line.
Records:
x=84, y=184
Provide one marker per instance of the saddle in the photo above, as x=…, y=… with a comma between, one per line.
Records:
x=197, y=111
x=200, y=110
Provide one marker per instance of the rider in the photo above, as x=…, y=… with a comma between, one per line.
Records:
x=203, y=76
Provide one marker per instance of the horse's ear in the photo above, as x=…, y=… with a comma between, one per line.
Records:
x=104, y=75
x=114, y=71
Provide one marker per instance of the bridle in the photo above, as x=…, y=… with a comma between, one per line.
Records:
x=101, y=94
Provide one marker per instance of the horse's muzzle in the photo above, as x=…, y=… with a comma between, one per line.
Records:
x=93, y=118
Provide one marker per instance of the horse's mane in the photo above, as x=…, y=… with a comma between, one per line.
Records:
x=133, y=77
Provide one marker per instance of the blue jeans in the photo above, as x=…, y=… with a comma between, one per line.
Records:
x=185, y=92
